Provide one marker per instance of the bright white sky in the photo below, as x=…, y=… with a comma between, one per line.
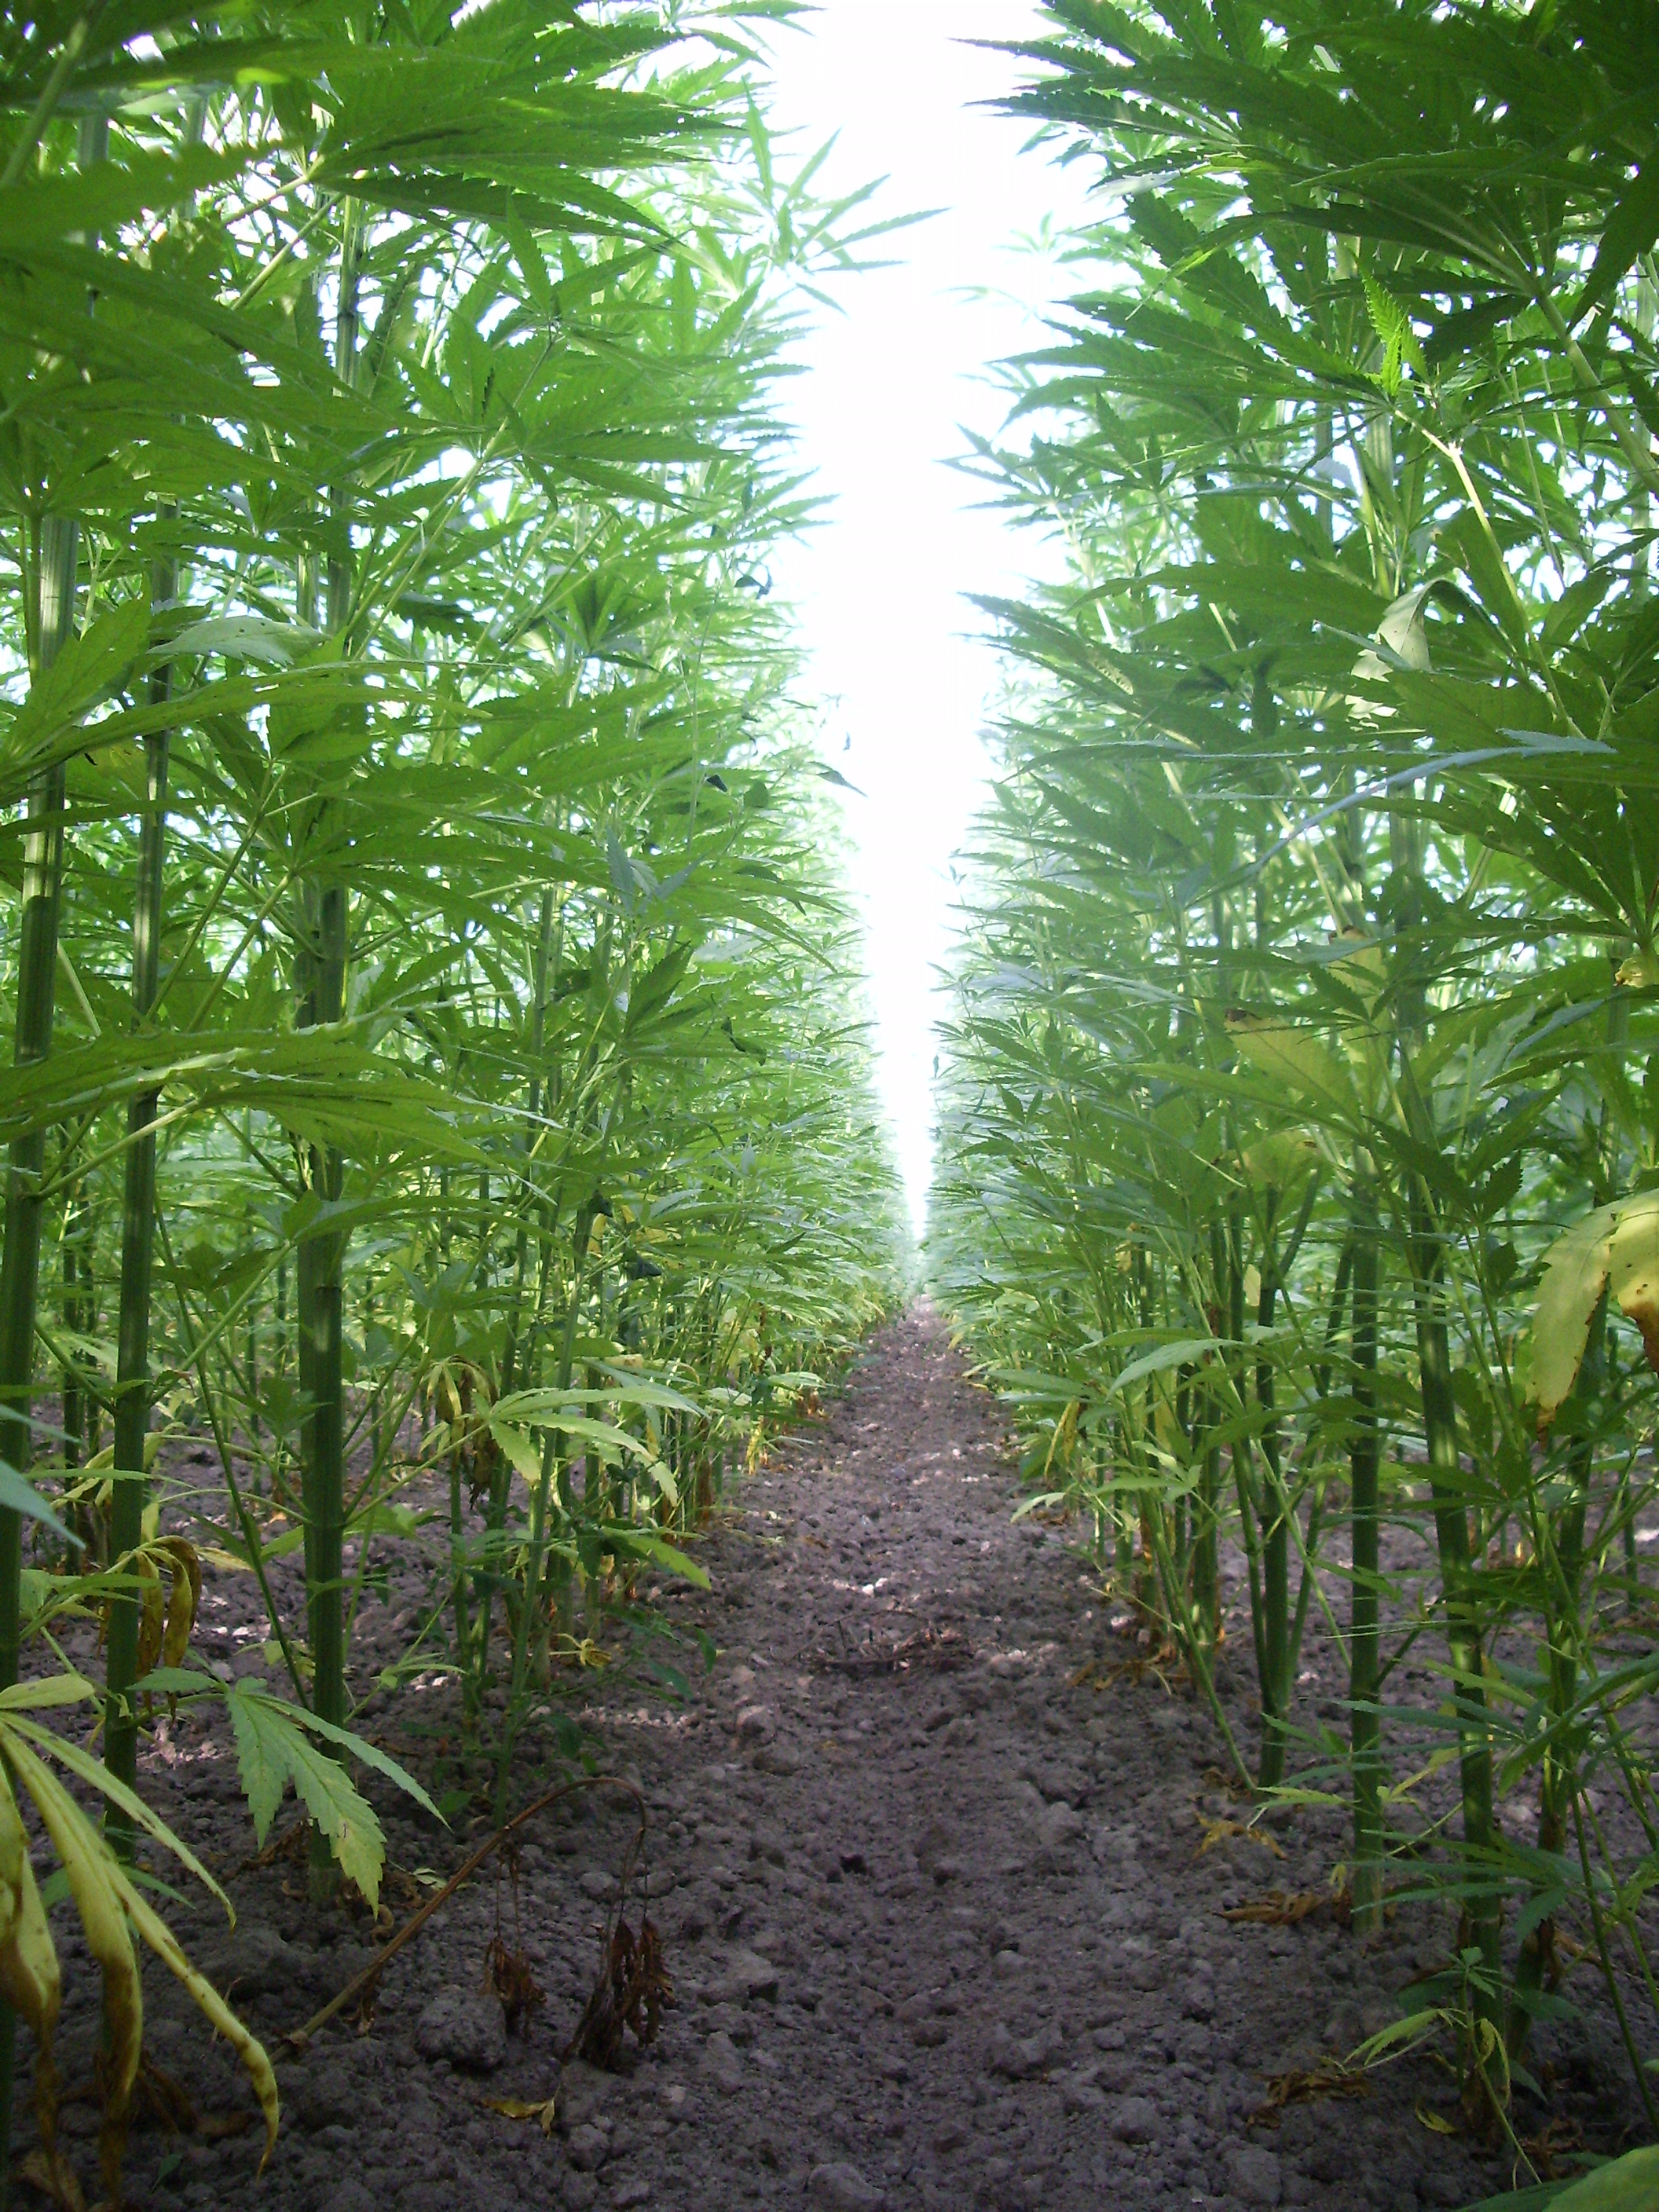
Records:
x=882, y=586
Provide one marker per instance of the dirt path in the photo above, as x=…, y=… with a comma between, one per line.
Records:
x=939, y=1925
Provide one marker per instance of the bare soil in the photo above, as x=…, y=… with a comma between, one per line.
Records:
x=940, y=1865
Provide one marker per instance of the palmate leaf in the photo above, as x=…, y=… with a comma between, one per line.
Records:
x=86, y=669
x=111, y=193
x=275, y=1748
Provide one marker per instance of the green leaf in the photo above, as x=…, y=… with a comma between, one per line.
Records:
x=261, y=1756
x=108, y=194
x=521, y=1452
x=1630, y=2183
x=242, y=637
x=1393, y=326
x=1630, y=231
x=178, y=1682
x=274, y=1747
x=371, y=1755
x=640, y=1544
x=85, y=668
x=1296, y=1057
x=19, y=1495
x=1182, y=1351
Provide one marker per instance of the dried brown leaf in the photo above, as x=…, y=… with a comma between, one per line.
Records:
x=940, y=1649
x=522, y=2108
x=49, y=2173
x=632, y=1992
x=1281, y=1908
x=507, y=1973
x=1308, y=2086
x=1555, y=2140
x=1223, y=1831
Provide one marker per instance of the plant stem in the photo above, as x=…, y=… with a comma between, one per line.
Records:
x=321, y=1256
x=19, y=1256
x=1482, y=1900
x=552, y=1470
x=132, y=1398
x=1364, y=1464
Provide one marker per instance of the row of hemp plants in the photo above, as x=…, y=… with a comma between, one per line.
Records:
x=1301, y=1105
x=438, y=1091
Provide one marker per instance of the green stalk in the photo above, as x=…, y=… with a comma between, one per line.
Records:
x=132, y=1396
x=1364, y=1464
x=502, y=1482
x=1308, y=1544
x=77, y=1276
x=280, y=1366
x=553, y=1471
x=1275, y=1539
x=1206, y=1548
x=471, y=1687
x=37, y=979
x=1184, y=1622
x=1483, y=1905
x=320, y=1266
x=39, y=906
x=321, y=1255
x=1564, y=1578
x=1240, y=1451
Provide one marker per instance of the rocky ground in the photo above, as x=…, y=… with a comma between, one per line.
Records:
x=941, y=1873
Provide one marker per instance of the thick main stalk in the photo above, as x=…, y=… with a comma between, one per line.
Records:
x=133, y=1393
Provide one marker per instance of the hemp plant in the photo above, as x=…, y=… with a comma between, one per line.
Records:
x=1306, y=995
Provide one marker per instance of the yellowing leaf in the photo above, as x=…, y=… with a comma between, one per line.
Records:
x=248, y=2048
x=518, y=1448
x=1615, y=1249
x=1434, y=2123
x=110, y=1907
x=1279, y=1162
x=97, y=1775
x=1294, y=1055
x=40, y=1695
x=29, y=1977
x=183, y=1603
x=86, y=1859
x=152, y=1614
x=521, y=2108
x=1630, y=2183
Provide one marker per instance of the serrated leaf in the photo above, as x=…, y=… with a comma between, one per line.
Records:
x=261, y=1759
x=82, y=674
